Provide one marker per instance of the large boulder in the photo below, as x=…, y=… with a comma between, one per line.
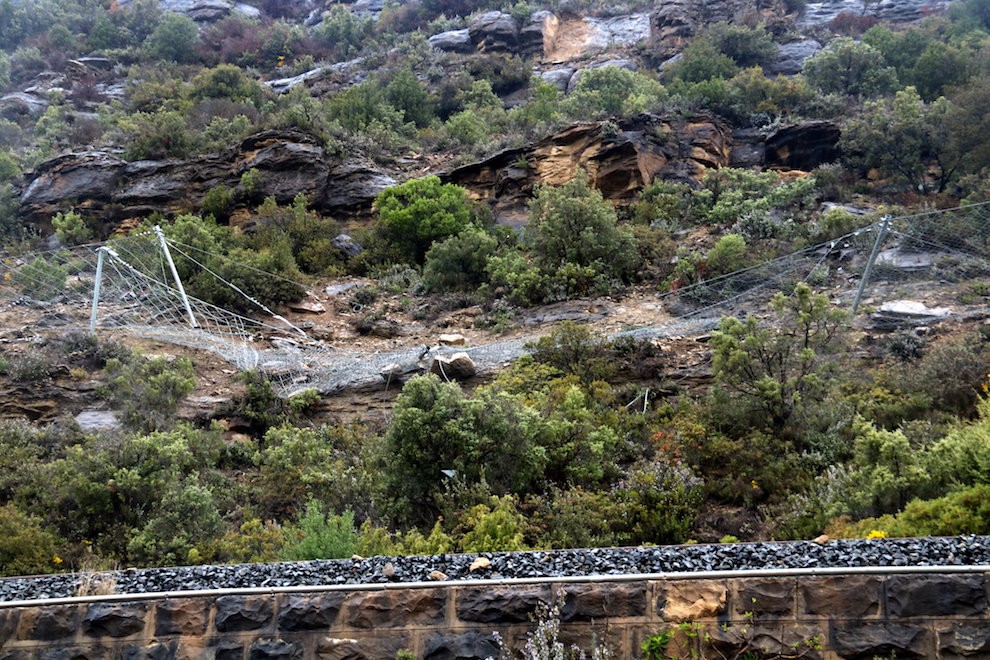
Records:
x=453, y=41
x=494, y=32
x=792, y=56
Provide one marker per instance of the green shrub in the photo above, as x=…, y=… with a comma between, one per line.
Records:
x=43, y=278
x=850, y=67
x=218, y=202
x=26, y=547
x=71, y=228
x=728, y=255
x=662, y=501
x=573, y=349
x=458, y=263
x=150, y=389
x=415, y=214
x=173, y=39
x=493, y=527
x=573, y=224
x=321, y=535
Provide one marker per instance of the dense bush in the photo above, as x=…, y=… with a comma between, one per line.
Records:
x=414, y=215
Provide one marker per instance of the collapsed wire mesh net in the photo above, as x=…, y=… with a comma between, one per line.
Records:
x=139, y=296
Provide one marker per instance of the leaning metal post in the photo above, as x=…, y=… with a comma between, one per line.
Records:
x=175, y=275
x=881, y=235
x=101, y=253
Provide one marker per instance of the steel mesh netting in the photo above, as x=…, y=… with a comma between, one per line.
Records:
x=139, y=296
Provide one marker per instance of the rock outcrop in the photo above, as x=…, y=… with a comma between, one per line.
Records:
x=290, y=163
x=673, y=23
x=620, y=159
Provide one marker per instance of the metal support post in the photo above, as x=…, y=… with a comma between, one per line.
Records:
x=881, y=235
x=101, y=254
x=175, y=275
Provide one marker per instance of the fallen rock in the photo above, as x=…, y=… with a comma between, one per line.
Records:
x=452, y=340
x=458, y=366
x=347, y=245
x=908, y=312
x=306, y=307
x=480, y=563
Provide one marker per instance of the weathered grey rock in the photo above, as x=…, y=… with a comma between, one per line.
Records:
x=22, y=104
x=181, y=616
x=501, y=604
x=80, y=176
x=368, y=8
x=907, y=261
x=318, y=612
x=149, y=651
x=537, y=32
x=963, y=640
x=857, y=595
x=792, y=56
x=361, y=648
x=907, y=312
x=337, y=289
x=461, y=646
x=458, y=366
x=274, y=649
x=647, y=147
x=453, y=41
x=871, y=640
x=494, y=32
x=50, y=623
x=938, y=595
x=207, y=11
x=559, y=78
x=115, y=619
x=95, y=421
x=239, y=613
x=283, y=85
x=229, y=650
x=388, y=609
x=803, y=146
x=590, y=602
x=354, y=184
x=618, y=31
x=347, y=245
x=306, y=306
x=769, y=597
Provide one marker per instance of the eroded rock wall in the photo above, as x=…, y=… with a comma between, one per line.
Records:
x=911, y=615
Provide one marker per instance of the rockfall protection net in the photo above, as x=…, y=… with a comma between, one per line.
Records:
x=53, y=291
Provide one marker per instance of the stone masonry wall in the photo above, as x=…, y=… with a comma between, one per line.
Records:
x=911, y=615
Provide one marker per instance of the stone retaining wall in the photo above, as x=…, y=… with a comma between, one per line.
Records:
x=923, y=615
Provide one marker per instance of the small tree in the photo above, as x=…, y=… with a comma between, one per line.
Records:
x=573, y=224
x=174, y=39
x=778, y=369
x=903, y=136
x=850, y=67
x=415, y=214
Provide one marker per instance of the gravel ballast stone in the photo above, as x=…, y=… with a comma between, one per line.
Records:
x=862, y=553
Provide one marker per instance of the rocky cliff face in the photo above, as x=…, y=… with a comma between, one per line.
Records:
x=620, y=159
x=99, y=182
